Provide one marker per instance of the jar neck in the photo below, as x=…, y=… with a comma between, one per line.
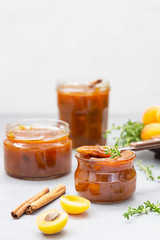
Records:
x=81, y=85
x=38, y=141
x=99, y=165
x=37, y=131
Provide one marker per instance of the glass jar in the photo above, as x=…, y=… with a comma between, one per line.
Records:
x=85, y=107
x=105, y=179
x=37, y=149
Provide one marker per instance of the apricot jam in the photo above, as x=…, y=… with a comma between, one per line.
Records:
x=85, y=108
x=105, y=179
x=37, y=149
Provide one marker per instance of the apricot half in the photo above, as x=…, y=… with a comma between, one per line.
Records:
x=150, y=130
x=52, y=221
x=74, y=204
x=150, y=115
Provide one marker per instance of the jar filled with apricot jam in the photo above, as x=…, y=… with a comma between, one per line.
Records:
x=37, y=149
x=84, y=105
x=102, y=179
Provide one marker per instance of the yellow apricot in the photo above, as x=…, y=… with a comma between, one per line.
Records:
x=51, y=221
x=150, y=130
x=158, y=116
x=150, y=115
x=74, y=204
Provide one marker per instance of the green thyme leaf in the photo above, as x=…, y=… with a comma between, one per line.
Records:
x=142, y=209
x=129, y=132
x=148, y=171
x=113, y=151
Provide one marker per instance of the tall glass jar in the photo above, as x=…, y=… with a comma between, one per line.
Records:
x=84, y=105
x=104, y=179
x=37, y=149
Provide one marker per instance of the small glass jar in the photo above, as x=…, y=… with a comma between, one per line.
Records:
x=104, y=179
x=37, y=149
x=84, y=106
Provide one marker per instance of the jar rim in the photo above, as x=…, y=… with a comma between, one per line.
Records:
x=81, y=81
x=106, y=160
x=44, y=125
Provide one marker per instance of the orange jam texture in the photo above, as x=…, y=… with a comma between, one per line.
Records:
x=86, y=111
x=33, y=153
x=105, y=179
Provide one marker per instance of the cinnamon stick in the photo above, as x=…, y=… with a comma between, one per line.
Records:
x=18, y=211
x=47, y=198
x=95, y=82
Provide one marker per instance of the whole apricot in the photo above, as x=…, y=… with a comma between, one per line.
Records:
x=52, y=221
x=158, y=116
x=150, y=115
x=150, y=130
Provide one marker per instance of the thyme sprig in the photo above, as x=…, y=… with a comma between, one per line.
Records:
x=129, y=132
x=143, y=209
x=113, y=151
x=148, y=171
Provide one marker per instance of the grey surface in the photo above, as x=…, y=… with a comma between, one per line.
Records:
x=101, y=221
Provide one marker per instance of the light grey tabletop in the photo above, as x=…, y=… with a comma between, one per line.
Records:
x=99, y=222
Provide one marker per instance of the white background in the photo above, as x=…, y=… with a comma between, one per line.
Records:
x=42, y=40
